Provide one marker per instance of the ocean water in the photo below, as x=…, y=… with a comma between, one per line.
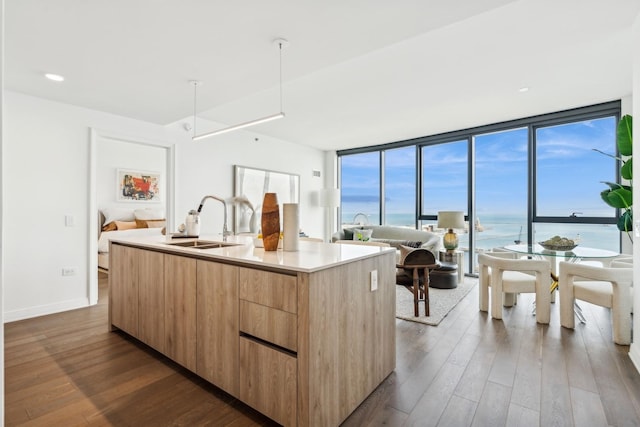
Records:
x=500, y=229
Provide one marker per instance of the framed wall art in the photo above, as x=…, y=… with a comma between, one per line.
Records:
x=137, y=186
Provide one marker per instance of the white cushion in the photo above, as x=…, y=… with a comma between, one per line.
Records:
x=362, y=235
x=117, y=214
x=149, y=213
x=595, y=292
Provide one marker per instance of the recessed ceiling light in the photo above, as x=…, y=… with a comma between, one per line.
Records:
x=523, y=89
x=54, y=77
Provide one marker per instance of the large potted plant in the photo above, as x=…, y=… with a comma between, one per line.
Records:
x=620, y=196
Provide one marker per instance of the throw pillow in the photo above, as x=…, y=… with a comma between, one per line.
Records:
x=110, y=227
x=149, y=213
x=348, y=234
x=151, y=223
x=125, y=225
x=116, y=214
x=362, y=235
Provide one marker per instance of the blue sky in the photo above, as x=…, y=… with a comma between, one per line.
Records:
x=569, y=173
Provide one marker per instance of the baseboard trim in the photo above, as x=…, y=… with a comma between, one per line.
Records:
x=634, y=355
x=43, y=310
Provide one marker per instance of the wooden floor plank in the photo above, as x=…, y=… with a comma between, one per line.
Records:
x=67, y=369
x=458, y=413
x=520, y=416
x=587, y=408
x=493, y=406
x=430, y=407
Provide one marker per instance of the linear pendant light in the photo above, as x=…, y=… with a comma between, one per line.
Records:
x=280, y=43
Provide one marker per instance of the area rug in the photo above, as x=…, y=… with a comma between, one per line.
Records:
x=442, y=301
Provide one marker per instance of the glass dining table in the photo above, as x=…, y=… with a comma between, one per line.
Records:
x=576, y=254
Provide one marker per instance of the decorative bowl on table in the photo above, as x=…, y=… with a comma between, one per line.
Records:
x=557, y=243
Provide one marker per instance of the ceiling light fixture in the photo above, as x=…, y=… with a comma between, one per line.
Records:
x=523, y=89
x=54, y=77
x=279, y=43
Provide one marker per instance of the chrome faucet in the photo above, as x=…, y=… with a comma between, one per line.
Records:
x=225, y=230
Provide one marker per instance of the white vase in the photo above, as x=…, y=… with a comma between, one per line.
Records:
x=291, y=226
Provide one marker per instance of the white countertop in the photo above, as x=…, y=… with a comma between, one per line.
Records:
x=311, y=256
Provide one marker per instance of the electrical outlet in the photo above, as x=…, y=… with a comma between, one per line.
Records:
x=68, y=271
x=69, y=221
x=374, y=280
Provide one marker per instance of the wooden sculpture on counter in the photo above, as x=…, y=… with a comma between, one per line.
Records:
x=270, y=222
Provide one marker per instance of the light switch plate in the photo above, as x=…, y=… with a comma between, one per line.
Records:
x=374, y=280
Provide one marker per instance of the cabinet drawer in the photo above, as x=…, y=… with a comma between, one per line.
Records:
x=275, y=326
x=270, y=289
x=268, y=381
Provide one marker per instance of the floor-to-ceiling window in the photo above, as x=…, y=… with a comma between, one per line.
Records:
x=569, y=178
x=444, y=182
x=501, y=171
x=525, y=180
x=360, y=188
x=400, y=186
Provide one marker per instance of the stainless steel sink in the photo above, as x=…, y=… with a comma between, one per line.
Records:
x=201, y=244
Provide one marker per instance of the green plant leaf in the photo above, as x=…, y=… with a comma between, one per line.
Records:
x=621, y=198
x=626, y=171
x=625, y=222
x=624, y=136
x=615, y=185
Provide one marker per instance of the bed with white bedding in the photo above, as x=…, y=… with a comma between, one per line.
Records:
x=118, y=222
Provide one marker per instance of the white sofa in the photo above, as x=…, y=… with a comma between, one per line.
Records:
x=395, y=236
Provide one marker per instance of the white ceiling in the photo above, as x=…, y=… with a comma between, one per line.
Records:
x=356, y=73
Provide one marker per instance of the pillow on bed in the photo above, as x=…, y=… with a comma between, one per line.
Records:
x=110, y=227
x=153, y=214
x=116, y=214
x=125, y=225
x=150, y=223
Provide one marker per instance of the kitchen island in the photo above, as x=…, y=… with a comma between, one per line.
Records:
x=303, y=337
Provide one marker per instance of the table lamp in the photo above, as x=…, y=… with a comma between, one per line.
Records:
x=450, y=220
x=330, y=199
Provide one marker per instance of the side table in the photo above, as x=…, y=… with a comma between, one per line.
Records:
x=455, y=257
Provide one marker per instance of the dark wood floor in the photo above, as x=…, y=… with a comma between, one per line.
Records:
x=67, y=369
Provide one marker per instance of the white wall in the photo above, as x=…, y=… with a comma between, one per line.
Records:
x=634, y=352
x=206, y=168
x=46, y=176
x=116, y=154
x=2, y=209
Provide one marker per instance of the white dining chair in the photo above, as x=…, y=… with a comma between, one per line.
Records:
x=513, y=276
x=604, y=286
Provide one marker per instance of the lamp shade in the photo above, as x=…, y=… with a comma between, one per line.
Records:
x=451, y=219
x=330, y=197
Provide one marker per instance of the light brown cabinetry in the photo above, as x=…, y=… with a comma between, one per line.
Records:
x=180, y=310
x=151, y=298
x=123, y=289
x=268, y=381
x=268, y=343
x=304, y=348
x=217, y=325
x=137, y=297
